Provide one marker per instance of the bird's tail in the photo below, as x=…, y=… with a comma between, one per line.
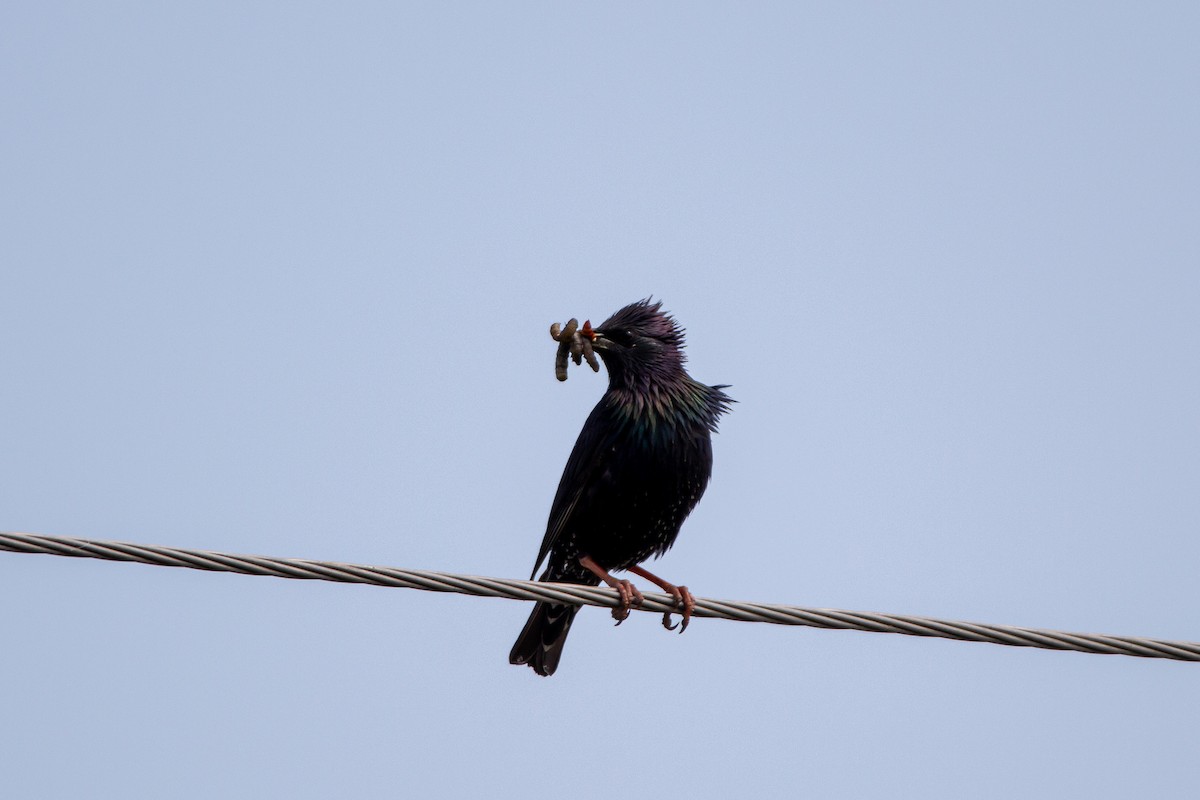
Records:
x=541, y=641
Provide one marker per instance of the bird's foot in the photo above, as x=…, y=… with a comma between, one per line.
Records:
x=685, y=602
x=628, y=594
x=630, y=597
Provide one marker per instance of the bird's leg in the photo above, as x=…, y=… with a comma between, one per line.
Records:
x=683, y=598
x=630, y=596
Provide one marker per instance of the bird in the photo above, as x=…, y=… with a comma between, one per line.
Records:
x=639, y=466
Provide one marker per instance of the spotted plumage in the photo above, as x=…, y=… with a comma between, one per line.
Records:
x=639, y=466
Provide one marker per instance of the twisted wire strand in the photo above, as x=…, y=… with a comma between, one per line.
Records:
x=304, y=569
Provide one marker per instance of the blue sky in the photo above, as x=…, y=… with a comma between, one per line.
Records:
x=276, y=278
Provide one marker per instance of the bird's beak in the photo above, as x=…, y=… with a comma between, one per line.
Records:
x=598, y=340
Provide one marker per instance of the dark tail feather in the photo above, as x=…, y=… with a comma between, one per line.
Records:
x=541, y=641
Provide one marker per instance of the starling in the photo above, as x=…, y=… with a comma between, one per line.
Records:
x=640, y=465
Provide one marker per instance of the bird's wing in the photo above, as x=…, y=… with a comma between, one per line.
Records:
x=586, y=472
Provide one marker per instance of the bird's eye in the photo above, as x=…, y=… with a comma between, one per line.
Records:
x=621, y=336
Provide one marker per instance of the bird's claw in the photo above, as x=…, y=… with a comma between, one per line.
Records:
x=574, y=342
x=686, y=602
x=630, y=597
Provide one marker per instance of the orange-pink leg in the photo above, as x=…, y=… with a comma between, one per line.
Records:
x=630, y=596
x=683, y=598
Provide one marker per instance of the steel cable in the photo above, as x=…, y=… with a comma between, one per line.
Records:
x=593, y=596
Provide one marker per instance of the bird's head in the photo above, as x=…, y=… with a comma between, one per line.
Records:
x=639, y=344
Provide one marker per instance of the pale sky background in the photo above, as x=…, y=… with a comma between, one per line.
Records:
x=276, y=278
